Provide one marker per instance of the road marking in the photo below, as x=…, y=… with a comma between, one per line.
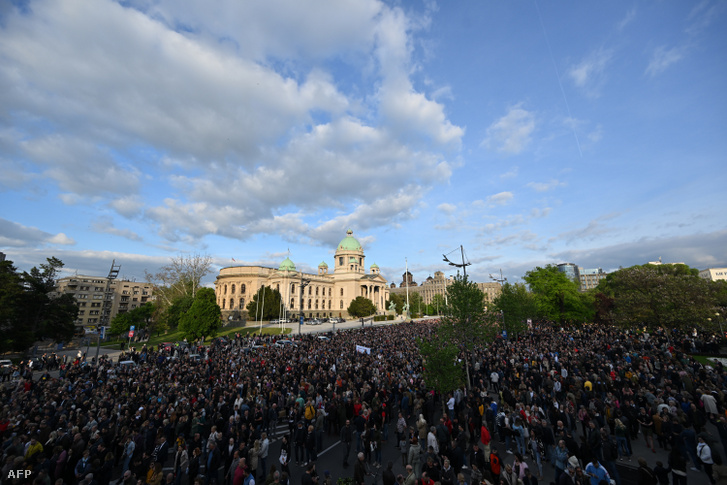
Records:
x=329, y=448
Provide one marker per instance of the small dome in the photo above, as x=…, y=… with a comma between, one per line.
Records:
x=349, y=243
x=287, y=265
x=374, y=266
x=323, y=265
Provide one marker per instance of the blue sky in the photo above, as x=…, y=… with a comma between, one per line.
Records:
x=528, y=132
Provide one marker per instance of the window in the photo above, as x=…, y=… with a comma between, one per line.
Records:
x=341, y=304
x=95, y=304
x=340, y=261
x=81, y=312
x=330, y=292
x=223, y=304
x=97, y=288
x=243, y=287
x=93, y=312
x=242, y=303
x=232, y=303
x=329, y=304
x=225, y=292
x=292, y=289
x=360, y=261
x=82, y=297
x=316, y=291
x=82, y=303
x=310, y=290
x=309, y=303
x=232, y=290
x=292, y=303
x=316, y=304
x=341, y=291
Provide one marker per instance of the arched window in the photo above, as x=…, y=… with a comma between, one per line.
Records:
x=243, y=288
x=330, y=292
x=329, y=304
x=242, y=303
x=292, y=303
x=292, y=289
x=316, y=291
x=223, y=304
x=310, y=290
x=340, y=261
x=341, y=304
x=341, y=291
x=310, y=302
x=225, y=290
x=232, y=303
x=232, y=290
x=316, y=304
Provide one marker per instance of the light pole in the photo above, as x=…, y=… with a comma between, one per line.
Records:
x=303, y=284
x=463, y=265
x=502, y=280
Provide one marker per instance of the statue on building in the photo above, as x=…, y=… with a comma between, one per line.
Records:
x=392, y=306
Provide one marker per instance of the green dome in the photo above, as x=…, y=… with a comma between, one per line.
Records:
x=287, y=265
x=323, y=265
x=349, y=243
x=376, y=266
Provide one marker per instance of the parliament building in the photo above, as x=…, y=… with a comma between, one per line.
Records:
x=325, y=294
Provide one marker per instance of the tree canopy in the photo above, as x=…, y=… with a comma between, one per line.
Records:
x=265, y=304
x=654, y=296
x=30, y=309
x=557, y=297
x=361, y=307
x=180, y=278
x=203, y=317
x=138, y=317
x=443, y=371
x=515, y=304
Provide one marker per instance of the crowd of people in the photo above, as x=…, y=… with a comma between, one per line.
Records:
x=573, y=399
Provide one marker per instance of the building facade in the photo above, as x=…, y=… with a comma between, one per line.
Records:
x=91, y=292
x=714, y=274
x=591, y=277
x=437, y=285
x=325, y=294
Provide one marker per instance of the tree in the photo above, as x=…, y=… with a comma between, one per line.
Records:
x=181, y=277
x=437, y=305
x=442, y=369
x=203, y=317
x=515, y=304
x=465, y=322
x=265, y=304
x=15, y=336
x=663, y=296
x=361, y=307
x=139, y=317
x=398, y=301
x=557, y=297
x=415, y=302
x=171, y=315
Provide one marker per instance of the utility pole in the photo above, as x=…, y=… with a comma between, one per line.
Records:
x=464, y=263
x=502, y=282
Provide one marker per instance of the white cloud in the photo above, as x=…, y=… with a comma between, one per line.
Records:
x=13, y=234
x=501, y=198
x=512, y=173
x=447, y=208
x=662, y=58
x=628, y=18
x=512, y=133
x=545, y=186
x=589, y=74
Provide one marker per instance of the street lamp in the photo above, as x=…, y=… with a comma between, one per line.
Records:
x=303, y=284
x=463, y=265
x=502, y=280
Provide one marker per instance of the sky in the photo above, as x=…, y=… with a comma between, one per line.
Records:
x=526, y=132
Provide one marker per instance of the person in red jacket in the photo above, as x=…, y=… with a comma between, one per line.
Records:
x=495, y=465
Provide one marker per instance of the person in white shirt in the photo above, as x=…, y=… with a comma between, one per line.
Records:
x=704, y=452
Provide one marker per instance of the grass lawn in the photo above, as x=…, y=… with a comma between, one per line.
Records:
x=176, y=336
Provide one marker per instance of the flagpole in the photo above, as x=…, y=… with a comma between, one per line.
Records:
x=406, y=275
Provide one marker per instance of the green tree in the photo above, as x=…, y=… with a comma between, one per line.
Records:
x=203, y=317
x=398, y=301
x=15, y=336
x=171, y=315
x=265, y=304
x=139, y=317
x=663, y=296
x=443, y=370
x=416, y=303
x=361, y=307
x=515, y=305
x=466, y=323
x=437, y=305
x=557, y=297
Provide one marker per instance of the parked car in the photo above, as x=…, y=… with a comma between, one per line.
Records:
x=128, y=364
x=285, y=343
x=6, y=363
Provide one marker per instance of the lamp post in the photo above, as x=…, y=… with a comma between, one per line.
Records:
x=502, y=280
x=303, y=284
x=463, y=265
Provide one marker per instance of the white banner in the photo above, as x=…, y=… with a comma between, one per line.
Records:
x=362, y=349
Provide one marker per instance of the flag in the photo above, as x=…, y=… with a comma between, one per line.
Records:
x=234, y=259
